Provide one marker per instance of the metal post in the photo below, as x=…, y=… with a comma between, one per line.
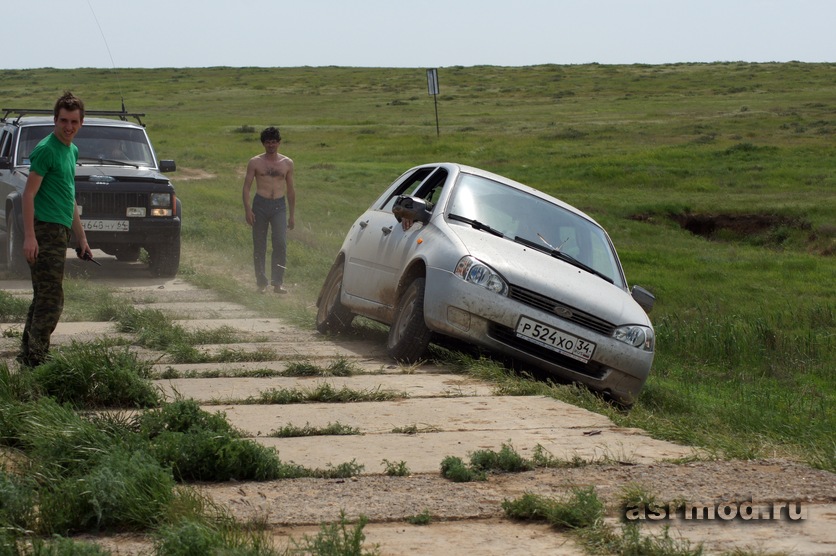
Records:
x=432, y=88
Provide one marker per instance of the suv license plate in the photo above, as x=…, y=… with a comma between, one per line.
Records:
x=105, y=225
x=555, y=339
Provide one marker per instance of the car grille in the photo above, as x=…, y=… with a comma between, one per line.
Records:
x=508, y=337
x=109, y=205
x=538, y=301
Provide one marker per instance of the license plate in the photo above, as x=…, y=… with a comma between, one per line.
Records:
x=555, y=339
x=105, y=225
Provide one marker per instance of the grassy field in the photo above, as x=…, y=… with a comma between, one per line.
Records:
x=746, y=312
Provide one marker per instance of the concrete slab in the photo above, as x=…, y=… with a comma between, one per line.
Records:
x=458, y=427
x=232, y=390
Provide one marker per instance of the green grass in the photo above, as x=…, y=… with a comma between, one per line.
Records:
x=745, y=322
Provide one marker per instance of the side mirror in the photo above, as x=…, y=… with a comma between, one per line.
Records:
x=644, y=298
x=167, y=166
x=5, y=163
x=412, y=208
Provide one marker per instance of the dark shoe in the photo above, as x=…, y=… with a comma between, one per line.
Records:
x=279, y=289
x=262, y=289
x=27, y=362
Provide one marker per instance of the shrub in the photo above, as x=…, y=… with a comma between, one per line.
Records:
x=92, y=375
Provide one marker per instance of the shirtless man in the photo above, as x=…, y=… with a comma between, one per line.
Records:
x=273, y=206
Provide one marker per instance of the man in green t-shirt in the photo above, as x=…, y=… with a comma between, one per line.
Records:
x=49, y=214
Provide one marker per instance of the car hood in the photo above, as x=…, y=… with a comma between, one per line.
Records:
x=529, y=268
x=120, y=173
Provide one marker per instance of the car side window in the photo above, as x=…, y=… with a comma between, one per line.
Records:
x=5, y=144
x=409, y=187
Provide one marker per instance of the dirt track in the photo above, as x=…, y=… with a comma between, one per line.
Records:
x=454, y=416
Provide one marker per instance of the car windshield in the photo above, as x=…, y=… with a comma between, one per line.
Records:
x=519, y=216
x=96, y=144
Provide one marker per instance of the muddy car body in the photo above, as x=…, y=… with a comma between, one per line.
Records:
x=497, y=264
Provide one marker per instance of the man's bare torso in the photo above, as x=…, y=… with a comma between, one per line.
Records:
x=270, y=173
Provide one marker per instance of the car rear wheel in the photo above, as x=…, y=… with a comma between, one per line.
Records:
x=332, y=317
x=409, y=335
x=15, y=260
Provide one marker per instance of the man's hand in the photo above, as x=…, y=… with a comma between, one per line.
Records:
x=30, y=249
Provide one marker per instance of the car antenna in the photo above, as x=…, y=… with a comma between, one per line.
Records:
x=112, y=63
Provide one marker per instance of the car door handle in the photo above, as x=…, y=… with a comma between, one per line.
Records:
x=364, y=223
x=386, y=231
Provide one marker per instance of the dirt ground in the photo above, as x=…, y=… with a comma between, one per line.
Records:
x=455, y=416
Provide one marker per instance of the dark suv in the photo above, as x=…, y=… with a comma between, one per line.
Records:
x=126, y=203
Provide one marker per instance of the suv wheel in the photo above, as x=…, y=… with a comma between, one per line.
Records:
x=165, y=258
x=17, y=264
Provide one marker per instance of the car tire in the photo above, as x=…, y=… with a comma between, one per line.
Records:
x=409, y=336
x=164, y=258
x=16, y=262
x=332, y=317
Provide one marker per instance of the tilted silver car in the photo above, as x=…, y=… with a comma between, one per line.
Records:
x=497, y=264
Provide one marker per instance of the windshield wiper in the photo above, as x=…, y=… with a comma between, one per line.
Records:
x=107, y=161
x=476, y=224
x=558, y=254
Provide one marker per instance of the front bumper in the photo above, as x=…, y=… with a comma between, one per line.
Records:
x=471, y=313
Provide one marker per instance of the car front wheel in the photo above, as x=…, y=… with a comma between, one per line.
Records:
x=409, y=335
x=164, y=258
x=332, y=317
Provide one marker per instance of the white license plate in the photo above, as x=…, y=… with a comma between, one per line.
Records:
x=105, y=225
x=555, y=339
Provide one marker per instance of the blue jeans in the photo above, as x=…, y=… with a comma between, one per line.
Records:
x=272, y=214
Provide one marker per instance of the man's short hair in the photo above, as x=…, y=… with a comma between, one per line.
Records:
x=70, y=103
x=270, y=133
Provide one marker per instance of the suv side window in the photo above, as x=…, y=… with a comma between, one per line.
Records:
x=6, y=144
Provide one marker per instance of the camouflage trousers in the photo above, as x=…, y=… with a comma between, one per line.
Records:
x=47, y=292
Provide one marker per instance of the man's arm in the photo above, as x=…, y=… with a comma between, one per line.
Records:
x=291, y=197
x=248, y=181
x=80, y=236
x=30, y=242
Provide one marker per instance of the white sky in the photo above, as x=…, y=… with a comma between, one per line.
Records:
x=410, y=33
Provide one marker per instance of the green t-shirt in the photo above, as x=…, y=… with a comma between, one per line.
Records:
x=55, y=161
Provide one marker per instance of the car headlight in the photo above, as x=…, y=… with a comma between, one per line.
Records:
x=161, y=204
x=476, y=272
x=160, y=199
x=636, y=335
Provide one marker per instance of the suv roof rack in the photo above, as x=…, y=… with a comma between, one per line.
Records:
x=123, y=114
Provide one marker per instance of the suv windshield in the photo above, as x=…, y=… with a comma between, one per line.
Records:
x=533, y=221
x=108, y=144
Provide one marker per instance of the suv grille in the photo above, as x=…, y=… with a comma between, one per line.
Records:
x=547, y=304
x=508, y=336
x=109, y=205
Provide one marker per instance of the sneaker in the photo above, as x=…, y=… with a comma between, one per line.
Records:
x=279, y=289
x=262, y=289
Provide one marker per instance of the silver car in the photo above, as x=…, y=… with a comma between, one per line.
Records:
x=460, y=252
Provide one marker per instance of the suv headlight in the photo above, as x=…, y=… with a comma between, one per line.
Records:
x=636, y=335
x=161, y=204
x=476, y=272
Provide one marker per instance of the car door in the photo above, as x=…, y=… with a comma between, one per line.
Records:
x=6, y=137
x=380, y=247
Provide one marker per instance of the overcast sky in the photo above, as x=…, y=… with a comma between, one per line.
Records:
x=410, y=33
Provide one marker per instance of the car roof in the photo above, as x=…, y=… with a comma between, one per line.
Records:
x=44, y=120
